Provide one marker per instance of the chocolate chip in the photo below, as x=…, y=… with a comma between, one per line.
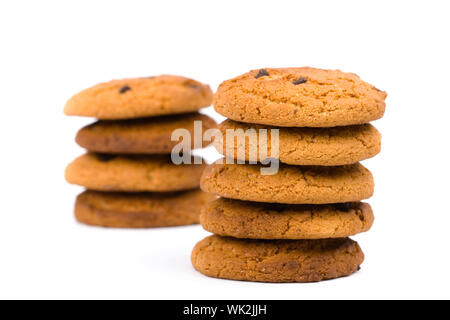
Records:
x=300, y=81
x=359, y=268
x=261, y=73
x=103, y=157
x=342, y=206
x=124, y=89
x=193, y=86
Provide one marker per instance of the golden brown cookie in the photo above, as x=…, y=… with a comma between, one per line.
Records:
x=301, y=146
x=299, y=97
x=140, y=136
x=253, y=220
x=140, y=210
x=140, y=97
x=132, y=173
x=291, y=184
x=276, y=261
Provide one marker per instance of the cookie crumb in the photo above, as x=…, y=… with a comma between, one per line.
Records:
x=300, y=81
x=124, y=89
x=261, y=73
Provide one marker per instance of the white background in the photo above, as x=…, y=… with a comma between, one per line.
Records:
x=50, y=50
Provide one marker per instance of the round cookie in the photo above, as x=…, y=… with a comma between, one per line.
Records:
x=140, y=136
x=299, y=97
x=140, y=210
x=291, y=184
x=278, y=260
x=253, y=220
x=132, y=173
x=140, y=97
x=302, y=146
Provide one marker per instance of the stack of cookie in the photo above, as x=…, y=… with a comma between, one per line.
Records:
x=131, y=180
x=291, y=226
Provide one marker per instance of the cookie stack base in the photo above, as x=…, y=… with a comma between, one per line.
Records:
x=276, y=261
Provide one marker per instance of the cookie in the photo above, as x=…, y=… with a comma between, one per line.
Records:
x=140, y=136
x=140, y=210
x=302, y=146
x=253, y=220
x=299, y=97
x=278, y=260
x=291, y=184
x=140, y=97
x=132, y=173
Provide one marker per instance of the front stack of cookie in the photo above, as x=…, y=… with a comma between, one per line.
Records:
x=130, y=179
x=294, y=225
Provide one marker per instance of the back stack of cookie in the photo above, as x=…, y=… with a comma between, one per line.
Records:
x=293, y=225
x=130, y=179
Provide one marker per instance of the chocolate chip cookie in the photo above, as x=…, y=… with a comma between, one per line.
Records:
x=141, y=136
x=276, y=260
x=132, y=173
x=291, y=184
x=253, y=220
x=140, y=97
x=300, y=146
x=299, y=97
x=140, y=210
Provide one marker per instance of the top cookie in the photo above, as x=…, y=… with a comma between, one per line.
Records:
x=140, y=97
x=299, y=97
